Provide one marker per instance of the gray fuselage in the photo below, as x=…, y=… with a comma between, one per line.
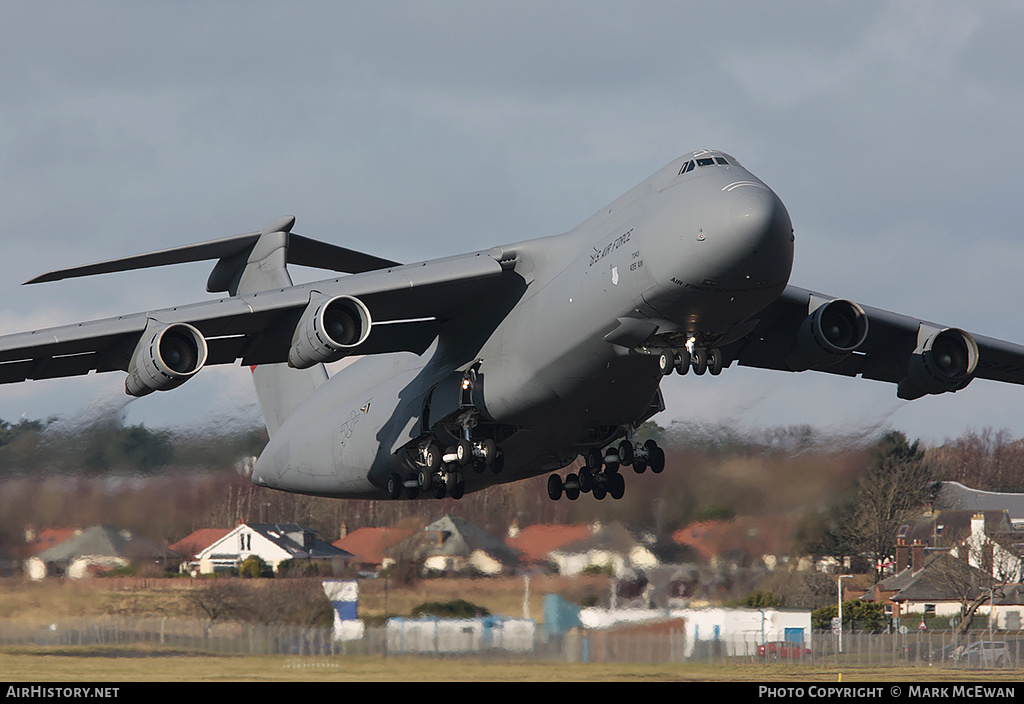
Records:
x=561, y=349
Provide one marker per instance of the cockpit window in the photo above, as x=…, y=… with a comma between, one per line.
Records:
x=707, y=161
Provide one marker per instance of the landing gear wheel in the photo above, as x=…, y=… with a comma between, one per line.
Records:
x=458, y=489
x=394, y=486
x=595, y=458
x=425, y=478
x=599, y=492
x=666, y=363
x=554, y=487
x=439, y=491
x=639, y=465
x=626, y=452
x=464, y=451
x=586, y=480
x=716, y=361
x=490, y=451
x=433, y=458
x=700, y=361
x=683, y=362
x=572, y=487
x=616, y=486
x=499, y=462
x=655, y=456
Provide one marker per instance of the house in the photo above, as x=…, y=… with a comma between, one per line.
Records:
x=271, y=542
x=956, y=496
x=620, y=549
x=93, y=551
x=453, y=544
x=739, y=542
x=369, y=546
x=189, y=547
x=535, y=543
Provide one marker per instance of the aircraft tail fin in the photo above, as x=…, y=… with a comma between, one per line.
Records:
x=232, y=253
x=280, y=389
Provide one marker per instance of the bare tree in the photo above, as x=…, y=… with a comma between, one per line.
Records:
x=894, y=487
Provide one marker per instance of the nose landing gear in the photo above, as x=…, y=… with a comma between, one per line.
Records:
x=700, y=359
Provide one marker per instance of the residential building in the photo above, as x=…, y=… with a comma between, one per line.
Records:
x=271, y=542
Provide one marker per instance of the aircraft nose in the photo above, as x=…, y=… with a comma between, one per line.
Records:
x=758, y=214
x=761, y=222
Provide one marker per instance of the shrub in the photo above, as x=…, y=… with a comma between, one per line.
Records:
x=458, y=608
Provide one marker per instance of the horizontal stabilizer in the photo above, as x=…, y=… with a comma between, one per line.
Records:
x=302, y=251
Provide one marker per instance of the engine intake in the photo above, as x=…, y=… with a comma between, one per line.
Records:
x=330, y=329
x=945, y=361
x=829, y=334
x=165, y=358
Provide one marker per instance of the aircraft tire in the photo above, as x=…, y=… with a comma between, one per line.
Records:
x=433, y=457
x=394, y=486
x=594, y=459
x=700, y=361
x=715, y=362
x=683, y=362
x=464, y=451
x=666, y=363
x=572, y=487
x=490, y=450
x=626, y=452
x=425, y=478
x=554, y=487
x=639, y=465
x=458, y=490
x=599, y=492
x=656, y=456
x=616, y=486
x=585, y=479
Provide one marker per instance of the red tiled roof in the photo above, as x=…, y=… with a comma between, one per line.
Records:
x=199, y=540
x=536, y=541
x=750, y=536
x=47, y=538
x=367, y=545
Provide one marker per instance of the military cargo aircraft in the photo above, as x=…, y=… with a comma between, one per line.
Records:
x=509, y=362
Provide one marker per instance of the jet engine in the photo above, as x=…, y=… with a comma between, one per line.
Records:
x=329, y=329
x=829, y=334
x=165, y=358
x=944, y=361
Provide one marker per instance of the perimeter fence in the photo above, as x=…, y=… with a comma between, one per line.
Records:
x=467, y=639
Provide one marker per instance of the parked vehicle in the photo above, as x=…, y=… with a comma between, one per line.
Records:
x=782, y=650
x=981, y=654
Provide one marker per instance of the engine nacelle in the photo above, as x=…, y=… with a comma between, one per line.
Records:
x=944, y=361
x=166, y=357
x=829, y=334
x=330, y=328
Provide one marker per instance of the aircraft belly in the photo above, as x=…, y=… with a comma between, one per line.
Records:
x=345, y=432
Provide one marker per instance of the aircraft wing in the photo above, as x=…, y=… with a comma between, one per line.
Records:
x=792, y=334
x=408, y=304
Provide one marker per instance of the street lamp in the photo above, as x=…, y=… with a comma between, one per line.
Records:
x=841, y=578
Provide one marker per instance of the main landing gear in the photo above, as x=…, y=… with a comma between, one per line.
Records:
x=600, y=474
x=442, y=473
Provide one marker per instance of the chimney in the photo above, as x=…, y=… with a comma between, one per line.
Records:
x=917, y=555
x=902, y=555
x=343, y=531
x=978, y=526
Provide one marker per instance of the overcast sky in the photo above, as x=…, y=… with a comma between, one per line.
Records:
x=891, y=130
